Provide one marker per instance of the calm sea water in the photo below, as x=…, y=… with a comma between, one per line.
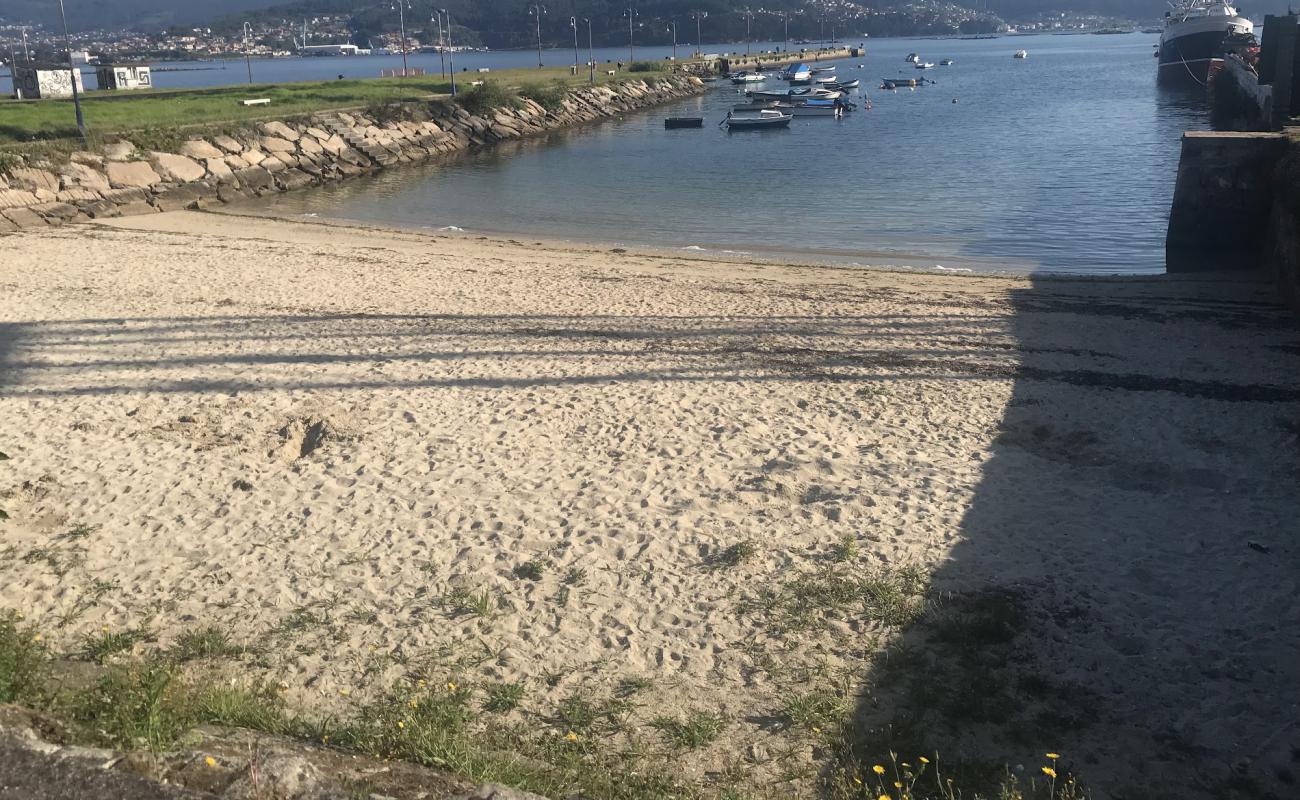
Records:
x=1064, y=161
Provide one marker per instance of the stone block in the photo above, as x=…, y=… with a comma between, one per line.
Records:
x=292, y=179
x=273, y=165
x=232, y=193
x=137, y=174
x=101, y=209
x=253, y=157
x=136, y=209
x=318, y=134
x=199, y=150
x=280, y=130
x=178, y=168
x=119, y=151
x=274, y=144
x=76, y=196
x=228, y=144
x=33, y=180
x=126, y=195
x=17, y=198
x=61, y=212
x=23, y=217
x=309, y=145
x=218, y=168
x=6, y=226
x=254, y=178
x=190, y=196
x=236, y=162
x=82, y=176
x=88, y=159
x=334, y=145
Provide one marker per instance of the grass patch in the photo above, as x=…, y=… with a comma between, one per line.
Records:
x=208, y=642
x=503, y=697
x=731, y=556
x=483, y=605
x=698, y=729
x=22, y=661
x=105, y=644
x=488, y=95
x=814, y=709
x=645, y=66
x=529, y=571
x=889, y=597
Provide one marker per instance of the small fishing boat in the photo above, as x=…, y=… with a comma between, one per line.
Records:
x=843, y=86
x=674, y=123
x=824, y=94
x=779, y=95
x=822, y=70
x=1021, y=54
x=924, y=65
x=741, y=78
x=767, y=118
x=911, y=58
x=814, y=108
x=902, y=83
x=947, y=62
x=797, y=72
x=825, y=80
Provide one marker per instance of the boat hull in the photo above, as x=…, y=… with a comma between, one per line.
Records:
x=1193, y=49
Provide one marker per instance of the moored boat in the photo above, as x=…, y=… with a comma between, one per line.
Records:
x=924, y=65
x=1021, y=54
x=843, y=86
x=912, y=58
x=947, y=62
x=740, y=78
x=1192, y=43
x=767, y=118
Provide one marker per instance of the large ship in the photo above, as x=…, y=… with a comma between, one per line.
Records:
x=1193, y=41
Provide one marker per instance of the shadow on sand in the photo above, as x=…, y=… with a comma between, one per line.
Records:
x=1125, y=588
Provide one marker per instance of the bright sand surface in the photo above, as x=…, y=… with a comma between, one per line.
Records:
x=1120, y=455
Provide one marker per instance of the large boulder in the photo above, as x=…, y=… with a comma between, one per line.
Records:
x=17, y=198
x=275, y=144
x=119, y=151
x=254, y=178
x=228, y=144
x=218, y=168
x=198, y=149
x=34, y=180
x=82, y=176
x=136, y=174
x=280, y=130
x=178, y=168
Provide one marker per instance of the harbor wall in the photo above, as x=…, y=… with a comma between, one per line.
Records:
x=120, y=179
x=758, y=62
x=1236, y=206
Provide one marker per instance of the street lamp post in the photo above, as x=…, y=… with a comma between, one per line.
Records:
x=631, y=49
x=785, y=15
x=699, y=41
x=401, y=21
x=451, y=53
x=591, y=54
x=749, y=24
x=537, y=10
x=72, y=73
x=673, y=28
x=248, y=58
x=573, y=23
x=442, y=49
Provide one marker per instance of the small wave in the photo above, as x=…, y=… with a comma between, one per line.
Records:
x=452, y=229
x=738, y=252
x=310, y=214
x=694, y=247
x=953, y=269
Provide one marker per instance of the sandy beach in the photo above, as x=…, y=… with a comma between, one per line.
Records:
x=580, y=469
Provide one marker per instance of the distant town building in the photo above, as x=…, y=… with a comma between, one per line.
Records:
x=35, y=81
x=329, y=50
x=123, y=76
x=82, y=57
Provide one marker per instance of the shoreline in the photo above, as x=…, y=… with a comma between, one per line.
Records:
x=767, y=498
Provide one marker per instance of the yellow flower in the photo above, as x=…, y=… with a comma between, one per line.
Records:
x=415, y=704
x=451, y=687
x=345, y=692
x=1053, y=756
x=210, y=761
x=924, y=760
x=325, y=739
x=905, y=764
x=38, y=638
x=816, y=729
x=898, y=785
x=857, y=780
x=1049, y=772
x=571, y=737
x=401, y=724
x=879, y=770
x=884, y=797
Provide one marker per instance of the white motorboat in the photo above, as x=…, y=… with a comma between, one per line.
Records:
x=1021, y=54
x=766, y=118
x=924, y=65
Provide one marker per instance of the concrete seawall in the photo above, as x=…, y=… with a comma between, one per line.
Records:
x=119, y=179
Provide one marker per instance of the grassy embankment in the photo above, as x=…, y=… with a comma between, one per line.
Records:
x=112, y=113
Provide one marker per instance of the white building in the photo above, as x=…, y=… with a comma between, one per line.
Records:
x=34, y=81
x=329, y=50
x=123, y=76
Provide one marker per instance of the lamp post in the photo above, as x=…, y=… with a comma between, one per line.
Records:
x=451, y=53
x=631, y=50
x=442, y=50
x=248, y=58
x=27, y=54
x=537, y=10
x=573, y=23
x=699, y=40
x=591, y=54
x=401, y=21
x=673, y=28
x=72, y=73
x=785, y=15
x=749, y=24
